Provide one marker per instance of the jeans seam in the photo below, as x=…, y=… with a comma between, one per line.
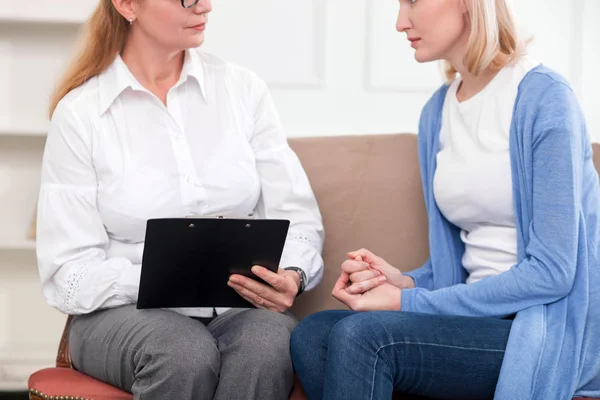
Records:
x=374, y=370
x=439, y=345
x=422, y=344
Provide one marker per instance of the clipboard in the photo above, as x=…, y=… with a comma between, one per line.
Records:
x=187, y=262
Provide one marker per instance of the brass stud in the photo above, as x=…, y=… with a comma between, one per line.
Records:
x=44, y=396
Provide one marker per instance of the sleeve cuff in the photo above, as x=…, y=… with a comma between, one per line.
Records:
x=408, y=300
x=129, y=283
x=303, y=265
x=313, y=275
x=414, y=276
x=421, y=277
x=306, y=258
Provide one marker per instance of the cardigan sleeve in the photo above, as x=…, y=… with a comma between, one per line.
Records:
x=423, y=276
x=547, y=272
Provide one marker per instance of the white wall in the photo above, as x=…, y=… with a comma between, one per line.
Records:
x=334, y=67
x=589, y=64
x=338, y=67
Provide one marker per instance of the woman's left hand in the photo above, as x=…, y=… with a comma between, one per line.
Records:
x=278, y=297
x=383, y=297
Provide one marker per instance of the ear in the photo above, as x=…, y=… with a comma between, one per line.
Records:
x=126, y=8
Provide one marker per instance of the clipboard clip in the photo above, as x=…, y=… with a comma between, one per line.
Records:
x=220, y=217
x=250, y=216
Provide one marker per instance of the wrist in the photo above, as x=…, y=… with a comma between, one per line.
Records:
x=299, y=277
x=407, y=282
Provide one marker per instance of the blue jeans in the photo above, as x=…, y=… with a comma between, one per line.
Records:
x=351, y=355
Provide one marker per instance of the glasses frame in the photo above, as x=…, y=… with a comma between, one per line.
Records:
x=190, y=6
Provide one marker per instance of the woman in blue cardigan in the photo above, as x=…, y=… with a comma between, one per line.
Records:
x=508, y=305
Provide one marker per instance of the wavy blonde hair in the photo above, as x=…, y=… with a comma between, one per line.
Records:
x=494, y=41
x=105, y=35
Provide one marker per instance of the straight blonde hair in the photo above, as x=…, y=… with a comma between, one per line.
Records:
x=104, y=38
x=494, y=40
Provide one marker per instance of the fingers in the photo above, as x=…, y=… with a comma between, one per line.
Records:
x=365, y=286
x=256, y=288
x=259, y=302
x=342, y=281
x=279, y=296
x=252, y=297
x=365, y=255
x=364, y=275
x=351, y=266
x=339, y=290
x=277, y=281
x=378, y=263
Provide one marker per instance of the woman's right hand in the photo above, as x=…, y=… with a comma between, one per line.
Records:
x=365, y=270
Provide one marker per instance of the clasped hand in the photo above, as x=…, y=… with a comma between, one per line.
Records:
x=369, y=283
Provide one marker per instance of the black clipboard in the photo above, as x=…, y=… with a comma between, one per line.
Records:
x=187, y=261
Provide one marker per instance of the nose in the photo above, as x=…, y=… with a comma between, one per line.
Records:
x=203, y=7
x=403, y=22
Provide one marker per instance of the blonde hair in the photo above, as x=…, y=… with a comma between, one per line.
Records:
x=105, y=36
x=494, y=41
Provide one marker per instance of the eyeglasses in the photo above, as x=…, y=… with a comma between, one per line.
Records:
x=189, y=3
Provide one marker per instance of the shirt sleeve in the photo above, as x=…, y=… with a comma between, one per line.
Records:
x=547, y=272
x=77, y=276
x=285, y=190
x=423, y=276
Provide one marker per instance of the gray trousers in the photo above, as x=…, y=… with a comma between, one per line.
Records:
x=162, y=355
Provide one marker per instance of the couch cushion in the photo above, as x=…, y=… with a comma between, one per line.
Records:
x=369, y=192
x=69, y=382
x=596, y=153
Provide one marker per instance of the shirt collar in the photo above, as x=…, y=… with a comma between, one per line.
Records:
x=194, y=66
x=117, y=78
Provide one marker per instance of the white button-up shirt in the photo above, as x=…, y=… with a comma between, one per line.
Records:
x=116, y=156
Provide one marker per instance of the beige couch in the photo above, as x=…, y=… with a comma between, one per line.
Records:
x=370, y=195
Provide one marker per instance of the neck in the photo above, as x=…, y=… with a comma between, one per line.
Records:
x=472, y=84
x=152, y=66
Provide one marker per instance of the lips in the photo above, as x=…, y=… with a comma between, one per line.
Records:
x=199, y=27
x=414, y=41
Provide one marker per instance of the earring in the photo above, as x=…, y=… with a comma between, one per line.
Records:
x=130, y=21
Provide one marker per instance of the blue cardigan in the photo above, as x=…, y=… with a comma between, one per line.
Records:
x=554, y=347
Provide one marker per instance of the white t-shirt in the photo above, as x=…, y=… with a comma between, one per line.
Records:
x=473, y=182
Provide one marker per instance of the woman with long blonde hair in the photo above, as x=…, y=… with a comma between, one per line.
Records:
x=508, y=305
x=145, y=126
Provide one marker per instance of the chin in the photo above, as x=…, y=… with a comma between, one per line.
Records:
x=423, y=57
x=199, y=41
x=196, y=40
